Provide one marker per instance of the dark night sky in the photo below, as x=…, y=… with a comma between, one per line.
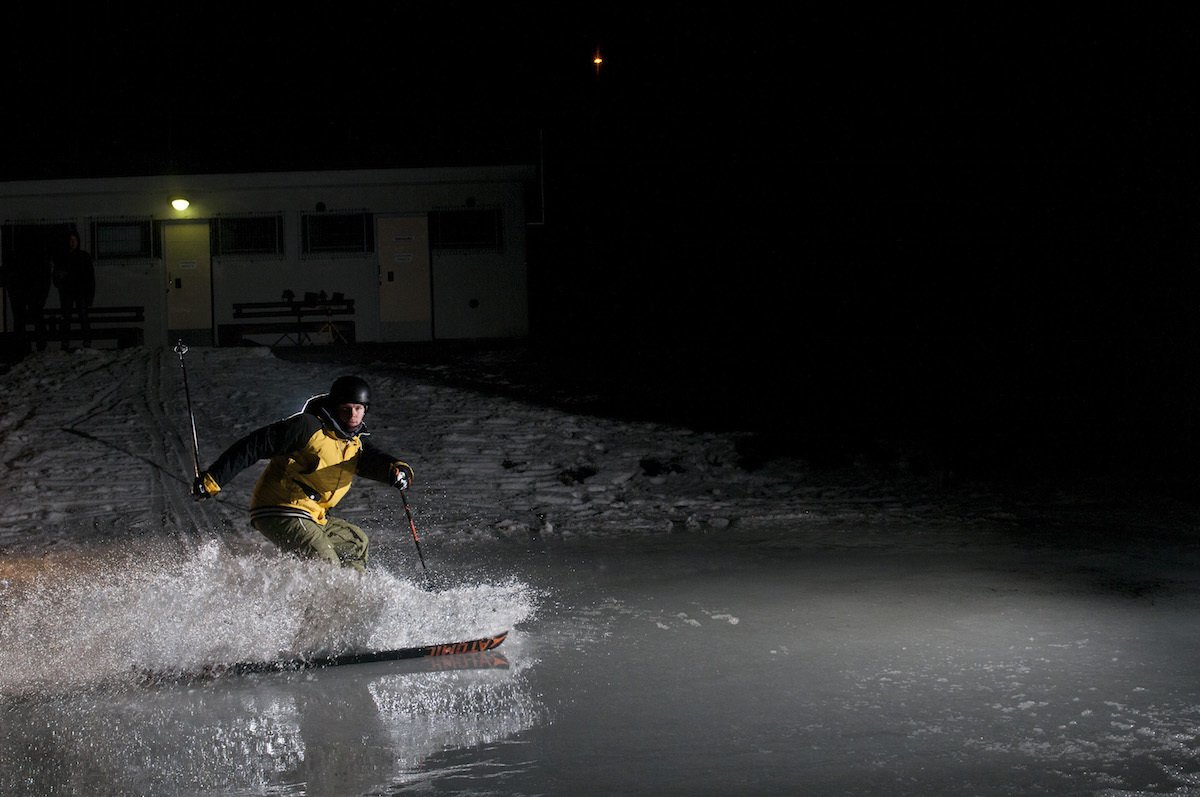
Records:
x=962, y=199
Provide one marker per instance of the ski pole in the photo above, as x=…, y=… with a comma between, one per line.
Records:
x=182, y=349
x=416, y=540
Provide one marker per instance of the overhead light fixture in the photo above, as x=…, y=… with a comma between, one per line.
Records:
x=179, y=203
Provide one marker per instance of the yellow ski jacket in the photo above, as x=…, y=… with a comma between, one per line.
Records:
x=313, y=462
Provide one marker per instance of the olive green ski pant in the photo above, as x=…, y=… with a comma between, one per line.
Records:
x=338, y=542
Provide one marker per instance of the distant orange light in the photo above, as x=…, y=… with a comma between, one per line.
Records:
x=597, y=59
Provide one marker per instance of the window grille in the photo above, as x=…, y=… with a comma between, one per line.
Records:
x=122, y=239
x=248, y=235
x=337, y=233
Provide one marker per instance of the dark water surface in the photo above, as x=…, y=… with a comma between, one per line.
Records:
x=695, y=666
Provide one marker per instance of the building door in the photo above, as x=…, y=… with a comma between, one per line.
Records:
x=189, y=283
x=405, y=282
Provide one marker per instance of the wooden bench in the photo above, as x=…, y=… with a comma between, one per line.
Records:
x=298, y=328
x=296, y=333
x=105, y=323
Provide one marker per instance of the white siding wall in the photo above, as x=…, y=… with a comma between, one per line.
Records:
x=497, y=281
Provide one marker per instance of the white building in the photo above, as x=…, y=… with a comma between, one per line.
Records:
x=371, y=255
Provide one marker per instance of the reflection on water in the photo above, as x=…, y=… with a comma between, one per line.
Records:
x=349, y=730
x=74, y=719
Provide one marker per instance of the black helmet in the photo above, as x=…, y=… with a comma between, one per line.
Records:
x=349, y=390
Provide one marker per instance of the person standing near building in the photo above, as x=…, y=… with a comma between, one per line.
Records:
x=314, y=456
x=27, y=282
x=75, y=278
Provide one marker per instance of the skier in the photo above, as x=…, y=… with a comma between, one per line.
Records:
x=314, y=455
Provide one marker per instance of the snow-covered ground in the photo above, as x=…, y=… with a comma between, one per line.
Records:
x=682, y=622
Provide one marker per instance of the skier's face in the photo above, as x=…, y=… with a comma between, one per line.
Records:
x=351, y=415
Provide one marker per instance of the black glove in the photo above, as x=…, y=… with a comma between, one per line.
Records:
x=402, y=475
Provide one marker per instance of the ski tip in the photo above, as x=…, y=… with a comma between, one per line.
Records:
x=473, y=646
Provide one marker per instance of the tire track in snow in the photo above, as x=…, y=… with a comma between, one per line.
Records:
x=50, y=449
x=131, y=500
x=94, y=455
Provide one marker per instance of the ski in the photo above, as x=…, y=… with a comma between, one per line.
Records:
x=480, y=648
x=321, y=662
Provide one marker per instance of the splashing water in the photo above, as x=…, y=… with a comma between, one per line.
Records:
x=108, y=619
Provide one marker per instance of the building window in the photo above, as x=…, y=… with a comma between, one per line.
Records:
x=337, y=233
x=122, y=239
x=240, y=236
x=466, y=229
x=26, y=244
